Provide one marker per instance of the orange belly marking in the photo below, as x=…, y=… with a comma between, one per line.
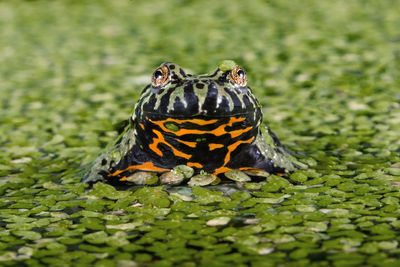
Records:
x=195, y=164
x=160, y=139
x=191, y=144
x=220, y=130
x=231, y=148
x=147, y=166
x=215, y=146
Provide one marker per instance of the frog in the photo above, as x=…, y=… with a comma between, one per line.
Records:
x=212, y=123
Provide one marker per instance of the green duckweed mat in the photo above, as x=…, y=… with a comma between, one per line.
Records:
x=326, y=72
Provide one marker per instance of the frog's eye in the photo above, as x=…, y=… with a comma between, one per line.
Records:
x=238, y=76
x=161, y=77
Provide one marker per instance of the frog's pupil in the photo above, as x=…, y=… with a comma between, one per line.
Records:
x=241, y=74
x=157, y=74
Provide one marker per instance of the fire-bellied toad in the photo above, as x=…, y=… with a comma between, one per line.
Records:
x=211, y=123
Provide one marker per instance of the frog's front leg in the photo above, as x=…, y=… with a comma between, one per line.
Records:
x=265, y=153
x=121, y=160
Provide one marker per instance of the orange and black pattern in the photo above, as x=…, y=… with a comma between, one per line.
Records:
x=212, y=145
x=208, y=122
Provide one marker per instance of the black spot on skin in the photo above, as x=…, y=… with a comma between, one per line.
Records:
x=103, y=173
x=191, y=99
x=165, y=101
x=210, y=102
x=196, y=80
x=224, y=105
x=200, y=85
x=103, y=162
x=214, y=74
x=172, y=67
x=182, y=72
x=220, y=82
x=145, y=89
x=236, y=101
x=150, y=104
x=213, y=88
x=246, y=101
x=179, y=108
x=175, y=82
x=174, y=76
x=251, y=97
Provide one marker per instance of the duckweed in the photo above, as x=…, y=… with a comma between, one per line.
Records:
x=326, y=73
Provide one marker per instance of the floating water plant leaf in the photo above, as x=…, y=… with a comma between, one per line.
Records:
x=185, y=170
x=237, y=175
x=298, y=176
x=96, y=238
x=142, y=178
x=172, y=178
x=124, y=226
x=153, y=196
x=102, y=190
x=202, y=179
x=30, y=235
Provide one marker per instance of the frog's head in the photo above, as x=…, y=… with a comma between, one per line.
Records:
x=175, y=93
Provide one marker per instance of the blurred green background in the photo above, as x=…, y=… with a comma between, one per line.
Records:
x=326, y=72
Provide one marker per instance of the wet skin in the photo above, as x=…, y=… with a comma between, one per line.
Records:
x=208, y=122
